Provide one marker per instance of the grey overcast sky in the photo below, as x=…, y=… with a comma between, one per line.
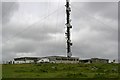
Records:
x=37, y=29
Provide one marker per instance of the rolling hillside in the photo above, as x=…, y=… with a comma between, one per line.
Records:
x=47, y=70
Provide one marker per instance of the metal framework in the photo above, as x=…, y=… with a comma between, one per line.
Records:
x=69, y=26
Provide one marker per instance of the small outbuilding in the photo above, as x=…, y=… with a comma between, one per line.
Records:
x=94, y=60
x=43, y=60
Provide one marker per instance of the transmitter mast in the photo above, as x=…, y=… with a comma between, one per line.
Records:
x=69, y=26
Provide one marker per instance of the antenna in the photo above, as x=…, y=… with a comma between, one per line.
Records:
x=69, y=26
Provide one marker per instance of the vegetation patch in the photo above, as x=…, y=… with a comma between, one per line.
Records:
x=51, y=70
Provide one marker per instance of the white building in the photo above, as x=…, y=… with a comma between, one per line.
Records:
x=25, y=60
x=63, y=59
x=48, y=59
x=43, y=60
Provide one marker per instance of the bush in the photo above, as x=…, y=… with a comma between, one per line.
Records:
x=76, y=75
x=99, y=75
x=20, y=71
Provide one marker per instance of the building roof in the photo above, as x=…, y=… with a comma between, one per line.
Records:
x=61, y=58
x=21, y=58
x=49, y=57
x=93, y=59
x=98, y=59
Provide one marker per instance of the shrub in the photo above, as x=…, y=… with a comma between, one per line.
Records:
x=99, y=75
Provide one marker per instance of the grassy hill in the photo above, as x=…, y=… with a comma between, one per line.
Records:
x=48, y=70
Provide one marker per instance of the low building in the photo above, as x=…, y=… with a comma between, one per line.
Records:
x=50, y=59
x=94, y=60
x=43, y=60
x=25, y=60
x=62, y=59
x=57, y=59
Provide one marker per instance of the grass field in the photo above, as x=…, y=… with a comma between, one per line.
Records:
x=48, y=70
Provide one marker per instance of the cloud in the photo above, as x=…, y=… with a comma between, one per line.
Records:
x=0, y=12
x=8, y=9
x=94, y=32
x=99, y=8
x=96, y=28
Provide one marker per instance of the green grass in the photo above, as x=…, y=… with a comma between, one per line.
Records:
x=48, y=70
